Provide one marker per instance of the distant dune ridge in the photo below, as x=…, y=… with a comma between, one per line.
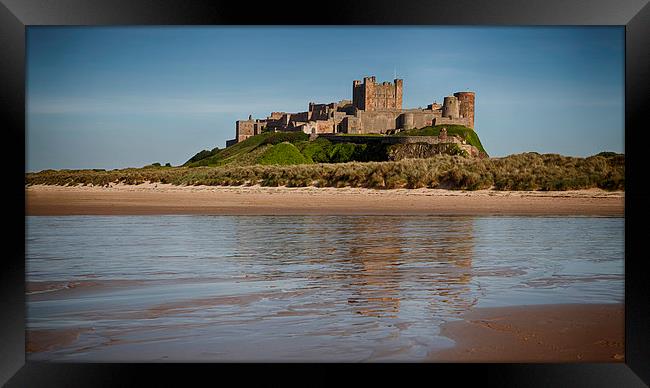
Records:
x=528, y=171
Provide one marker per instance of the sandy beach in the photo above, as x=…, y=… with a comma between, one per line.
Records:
x=586, y=331
x=545, y=333
x=120, y=199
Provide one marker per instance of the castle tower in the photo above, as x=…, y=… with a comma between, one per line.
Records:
x=399, y=88
x=466, y=100
x=408, y=121
x=450, y=107
x=371, y=96
x=369, y=85
x=358, y=92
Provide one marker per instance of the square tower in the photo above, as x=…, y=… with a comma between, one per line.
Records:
x=371, y=96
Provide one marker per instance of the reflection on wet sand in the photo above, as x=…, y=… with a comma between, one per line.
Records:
x=376, y=285
x=293, y=288
x=385, y=262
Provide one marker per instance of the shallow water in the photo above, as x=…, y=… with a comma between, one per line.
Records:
x=300, y=288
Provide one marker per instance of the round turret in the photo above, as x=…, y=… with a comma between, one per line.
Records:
x=466, y=100
x=408, y=121
x=450, y=107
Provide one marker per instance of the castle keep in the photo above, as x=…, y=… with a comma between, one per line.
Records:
x=375, y=108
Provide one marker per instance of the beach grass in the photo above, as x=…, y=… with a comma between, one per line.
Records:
x=527, y=171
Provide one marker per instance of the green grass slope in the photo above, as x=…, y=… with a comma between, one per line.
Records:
x=282, y=154
x=317, y=151
x=202, y=155
x=262, y=149
x=466, y=133
x=246, y=152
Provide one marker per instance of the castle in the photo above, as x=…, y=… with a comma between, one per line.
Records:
x=375, y=108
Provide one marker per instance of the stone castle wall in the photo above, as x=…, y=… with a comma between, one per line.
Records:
x=451, y=121
x=247, y=128
x=374, y=108
x=426, y=150
x=417, y=118
x=391, y=140
x=244, y=129
x=377, y=121
x=336, y=138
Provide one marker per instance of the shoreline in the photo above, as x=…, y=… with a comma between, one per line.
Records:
x=162, y=199
x=537, y=333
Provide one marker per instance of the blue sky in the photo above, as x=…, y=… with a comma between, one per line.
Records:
x=113, y=97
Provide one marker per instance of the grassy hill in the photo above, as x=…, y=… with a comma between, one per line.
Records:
x=291, y=159
x=247, y=152
x=466, y=133
x=282, y=154
x=287, y=148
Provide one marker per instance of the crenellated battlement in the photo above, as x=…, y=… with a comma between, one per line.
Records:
x=373, y=96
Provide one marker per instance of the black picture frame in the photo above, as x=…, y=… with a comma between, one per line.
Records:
x=15, y=15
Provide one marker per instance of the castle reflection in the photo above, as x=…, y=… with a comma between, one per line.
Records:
x=375, y=264
x=377, y=254
x=404, y=259
x=383, y=262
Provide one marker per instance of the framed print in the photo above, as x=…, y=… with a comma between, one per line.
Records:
x=454, y=187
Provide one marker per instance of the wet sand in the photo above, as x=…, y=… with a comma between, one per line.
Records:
x=547, y=333
x=46, y=289
x=149, y=199
x=51, y=339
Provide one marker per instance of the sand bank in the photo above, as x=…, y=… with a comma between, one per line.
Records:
x=159, y=198
x=51, y=339
x=548, y=333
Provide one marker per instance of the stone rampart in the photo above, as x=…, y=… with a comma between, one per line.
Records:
x=359, y=139
x=390, y=140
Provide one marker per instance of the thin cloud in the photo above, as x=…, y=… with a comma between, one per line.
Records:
x=154, y=105
x=580, y=101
